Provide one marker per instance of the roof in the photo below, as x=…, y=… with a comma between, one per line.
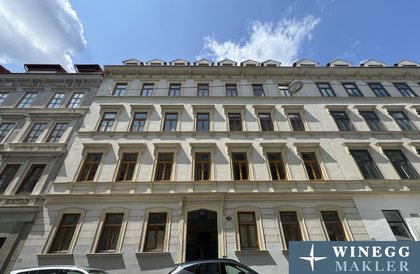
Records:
x=88, y=68
x=407, y=63
x=339, y=63
x=250, y=63
x=226, y=62
x=372, y=63
x=179, y=62
x=44, y=68
x=132, y=61
x=156, y=62
x=305, y=63
x=270, y=63
x=203, y=62
x=4, y=70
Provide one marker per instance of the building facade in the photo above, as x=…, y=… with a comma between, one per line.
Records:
x=40, y=112
x=176, y=162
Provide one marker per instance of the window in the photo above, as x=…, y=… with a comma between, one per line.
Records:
x=402, y=120
x=231, y=90
x=405, y=90
x=342, y=120
x=290, y=226
x=5, y=129
x=240, y=166
x=170, y=122
x=110, y=234
x=90, y=166
x=372, y=121
x=75, y=100
x=235, y=122
x=65, y=233
x=248, y=232
x=127, y=166
x=202, y=167
x=155, y=233
x=107, y=121
x=31, y=179
x=258, y=90
x=313, y=170
x=174, y=90
x=266, y=122
x=325, y=89
x=403, y=167
x=147, y=90
x=296, y=122
x=365, y=163
x=164, y=167
x=202, y=122
x=120, y=89
x=275, y=162
x=3, y=96
x=397, y=225
x=284, y=90
x=378, y=89
x=57, y=132
x=35, y=132
x=203, y=90
x=139, y=121
x=56, y=100
x=2, y=241
x=352, y=90
x=27, y=100
x=333, y=226
x=7, y=176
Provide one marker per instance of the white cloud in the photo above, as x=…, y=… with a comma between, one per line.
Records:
x=281, y=42
x=42, y=31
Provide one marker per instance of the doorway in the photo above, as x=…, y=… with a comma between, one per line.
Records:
x=202, y=236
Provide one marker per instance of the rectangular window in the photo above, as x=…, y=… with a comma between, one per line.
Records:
x=266, y=122
x=27, y=100
x=333, y=226
x=275, y=162
x=397, y=225
x=342, y=120
x=290, y=226
x=248, y=232
x=169, y=124
x=366, y=164
x=203, y=90
x=110, y=233
x=89, y=167
x=65, y=233
x=352, y=90
x=57, y=132
x=296, y=122
x=139, y=121
x=7, y=176
x=147, y=90
x=2, y=241
x=155, y=233
x=127, y=167
x=120, y=89
x=202, y=167
x=325, y=89
x=372, y=121
x=35, y=132
x=31, y=179
x=378, y=89
x=284, y=90
x=312, y=166
x=403, y=167
x=235, y=121
x=107, y=121
x=258, y=90
x=402, y=120
x=202, y=122
x=231, y=90
x=5, y=129
x=240, y=167
x=164, y=167
x=75, y=100
x=3, y=96
x=405, y=90
x=174, y=90
x=56, y=100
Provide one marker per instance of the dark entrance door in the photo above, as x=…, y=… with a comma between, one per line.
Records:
x=201, y=235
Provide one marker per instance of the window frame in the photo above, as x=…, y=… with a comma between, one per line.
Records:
x=379, y=90
x=258, y=88
x=404, y=124
x=200, y=91
x=403, y=222
x=325, y=89
x=118, y=90
x=3, y=139
x=23, y=102
x=203, y=109
x=148, y=90
x=3, y=97
x=301, y=222
x=301, y=121
x=107, y=121
x=48, y=140
x=379, y=126
x=400, y=169
x=244, y=148
x=318, y=162
x=52, y=103
x=202, y=162
x=405, y=89
x=353, y=91
x=16, y=176
x=140, y=109
x=165, y=246
x=342, y=126
x=77, y=100
x=26, y=176
x=203, y=148
x=372, y=162
x=259, y=228
x=121, y=162
x=229, y=89
x=92, y=149
x=270, y=122
x=137, y=122
x=172, y=88
x=343, y=220
x=283, y=165
x=40, y=137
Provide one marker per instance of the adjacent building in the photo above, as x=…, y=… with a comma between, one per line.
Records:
x=176, y=162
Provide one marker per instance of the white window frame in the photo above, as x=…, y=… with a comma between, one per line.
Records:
x=166, y=241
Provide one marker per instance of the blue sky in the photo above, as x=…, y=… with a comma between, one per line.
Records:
x=109, y=31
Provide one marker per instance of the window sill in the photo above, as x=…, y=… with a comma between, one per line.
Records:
x=58, y=255
x=251, y=252
x=104, y=254
x=147, y=254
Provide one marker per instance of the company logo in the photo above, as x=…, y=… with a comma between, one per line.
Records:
x=365, y=257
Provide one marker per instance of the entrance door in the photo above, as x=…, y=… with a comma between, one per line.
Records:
x=202, y=240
